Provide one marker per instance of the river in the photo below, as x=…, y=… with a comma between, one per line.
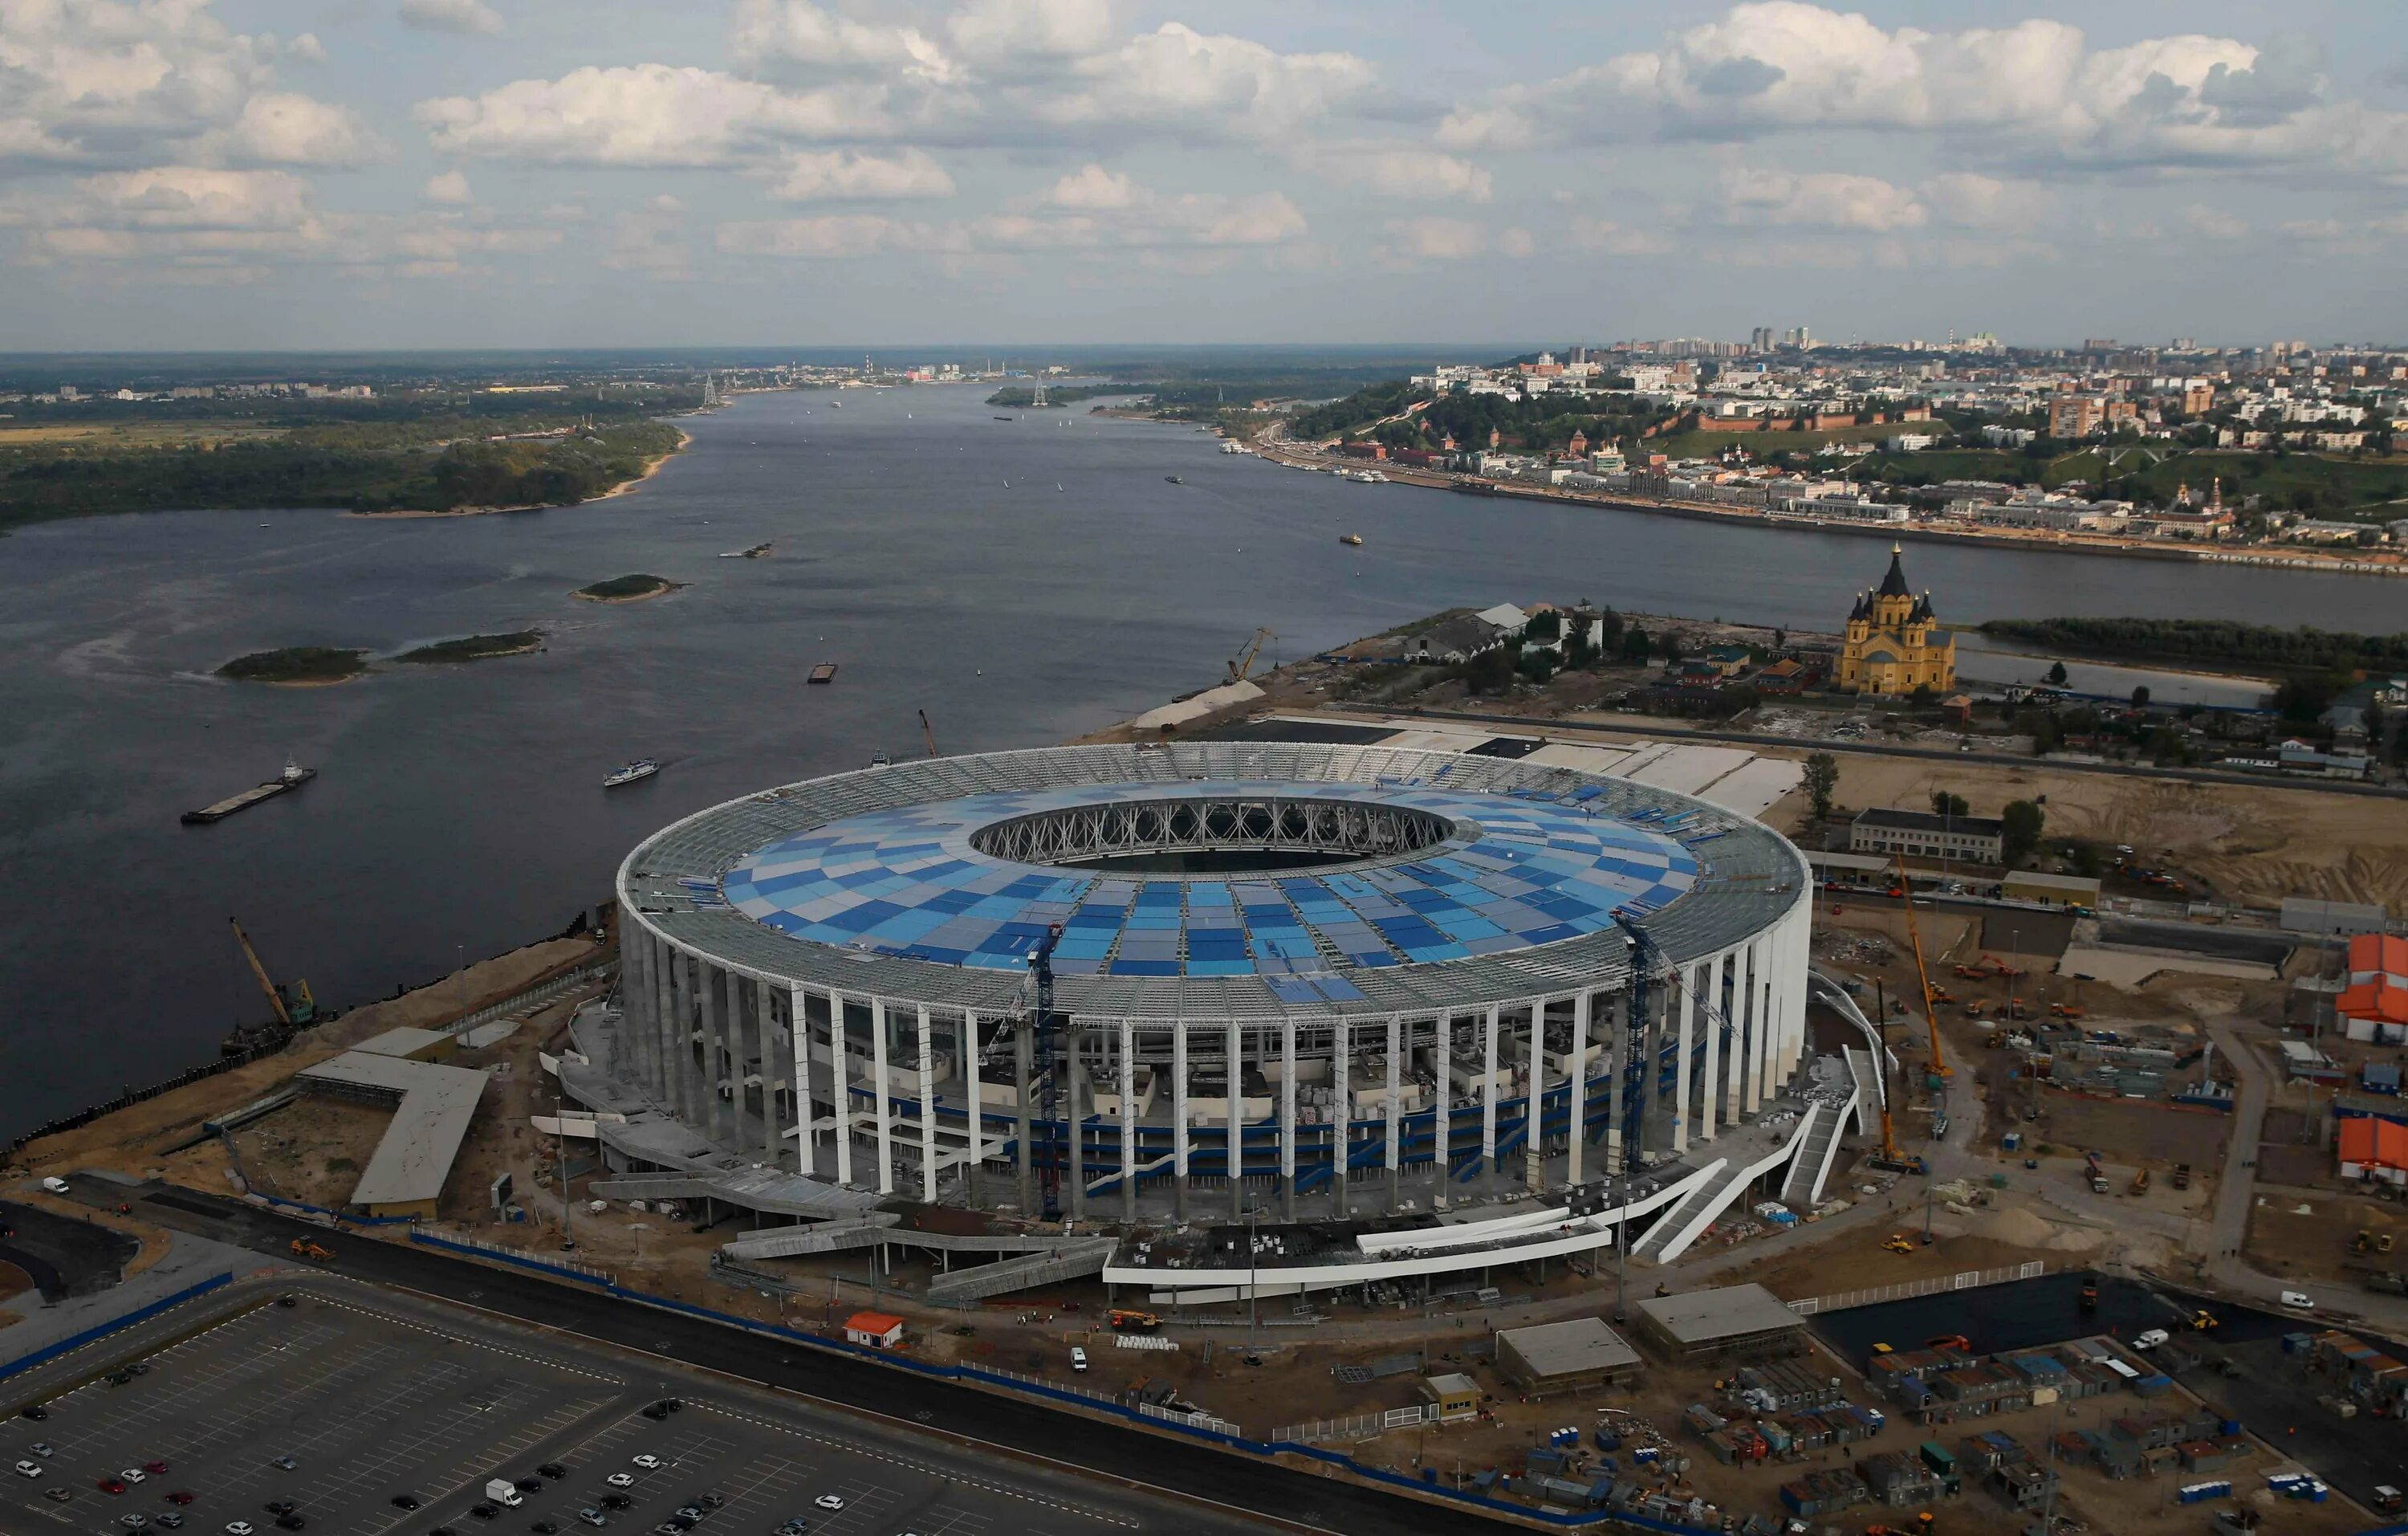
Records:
x=1021, y=580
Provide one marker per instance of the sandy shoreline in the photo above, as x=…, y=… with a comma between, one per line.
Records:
x=662, y=590
x=685, y=439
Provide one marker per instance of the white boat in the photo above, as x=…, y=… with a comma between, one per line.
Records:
x=642, y=767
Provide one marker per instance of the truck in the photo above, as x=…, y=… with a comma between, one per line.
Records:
x=502, y=1491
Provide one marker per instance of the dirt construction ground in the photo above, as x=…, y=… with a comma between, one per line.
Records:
x=2256, y=843
x=2307, y=1235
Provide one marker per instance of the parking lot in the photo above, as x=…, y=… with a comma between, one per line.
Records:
x=372, y=1396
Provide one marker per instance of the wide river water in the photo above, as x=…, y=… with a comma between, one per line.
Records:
x=1021, y=581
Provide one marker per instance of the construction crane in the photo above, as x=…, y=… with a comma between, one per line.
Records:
x=1243, y=662
x=926, y=735
x=294, y=1008
x=1923, y=978
x=1040, y=970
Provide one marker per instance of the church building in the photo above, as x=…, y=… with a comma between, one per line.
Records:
x=1894, y=644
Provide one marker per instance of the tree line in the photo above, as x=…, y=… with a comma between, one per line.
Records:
x=2212, y=640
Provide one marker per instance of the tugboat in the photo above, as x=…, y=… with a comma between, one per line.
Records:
x=1174, y=479
x=1355, y=539
x=642, y=767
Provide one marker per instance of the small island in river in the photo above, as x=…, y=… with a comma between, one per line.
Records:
x=305, y=665
x=477, y=647
x=626, y=589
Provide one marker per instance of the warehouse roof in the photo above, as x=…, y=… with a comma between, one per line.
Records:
x=433, y=1108
x=1569, y=1348
x=2371, y=1143
x=1732, y=1311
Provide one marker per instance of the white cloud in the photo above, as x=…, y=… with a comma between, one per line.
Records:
x=1829, y=198
x=645, y=115
x=1053, y=28
x=307, y=49
x=450, y=190
x=1517, y=242
x=1091, y=186
x=1984, y=202
x=1435, y=238
x=1410, y=173
x=462, y=16
x=1615, y=240
x=2035, y=91
x=140, y=82
x=1207, y=81
x=279, y=128
x=834, y=237
x=798, y=34
x=2214, y=222
x=214, y=224
x=849, y=175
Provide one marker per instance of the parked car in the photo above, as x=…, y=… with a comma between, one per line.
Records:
x=110, y=1485
x=133, y=1520
x=28, y=1468
x=615, y=1500
x=621, y=1479
x=238, y=1528
x=552, y=1469
x=648, y=1461
x=290, y=1522
x=182, y=1496
x=54, y=1184
x=57, y=1496
x=829, y=1502
x=405, y=1501
x=42, y=1448
x=593, y=1517
x=33, y=1411
x=172, y=1519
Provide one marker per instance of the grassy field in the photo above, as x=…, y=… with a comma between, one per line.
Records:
x=141, y=435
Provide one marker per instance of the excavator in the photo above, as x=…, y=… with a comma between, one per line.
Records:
x=304, y=1248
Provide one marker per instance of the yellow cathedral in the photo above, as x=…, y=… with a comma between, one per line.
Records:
x=1890, y=648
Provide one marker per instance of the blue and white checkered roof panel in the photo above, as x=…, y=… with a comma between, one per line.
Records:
x=906, y=882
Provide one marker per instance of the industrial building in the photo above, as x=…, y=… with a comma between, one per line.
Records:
x=1729, y=1322
x=1568, y=1356
x=1100, y=981
x=433, y=1108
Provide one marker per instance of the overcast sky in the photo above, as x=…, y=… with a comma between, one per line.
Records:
x=178, y=174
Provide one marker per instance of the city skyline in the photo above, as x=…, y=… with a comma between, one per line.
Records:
x=447, y=173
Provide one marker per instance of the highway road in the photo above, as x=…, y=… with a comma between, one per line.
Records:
x=1283, y=1496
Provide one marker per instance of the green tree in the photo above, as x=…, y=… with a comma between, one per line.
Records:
x=2021, y=825
x=2140, y=696
x=1945, y=804
x=1670, y=645
x=1635, y=645
x=1822, y=776
x=2056, y=674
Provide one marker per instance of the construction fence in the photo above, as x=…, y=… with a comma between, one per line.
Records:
x=1964, y=1280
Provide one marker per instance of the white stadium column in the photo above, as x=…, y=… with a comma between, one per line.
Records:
x=1129, y=1119
x=1576, y=1111
x=1342, y=1135
x=971, y=1061
x=1488, y=1100
x=1179, y=1118
x=1237, y=1106
x=716, y=1005
x=1443, y=1066
x=764, y=1017
x=1395, y=1102
x=1793, y=976
x=885, y=1109
x=806, y=1133
x=657, y=968
x=840, y=1085
x=1287, y=1119
x=1681, y=1063
x=1534, y=1104
x=927, y=1112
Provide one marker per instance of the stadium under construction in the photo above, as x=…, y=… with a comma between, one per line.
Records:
x=1433, y=1010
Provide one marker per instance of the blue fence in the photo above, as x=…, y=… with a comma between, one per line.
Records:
x=140, y=1315
x=521, y=1262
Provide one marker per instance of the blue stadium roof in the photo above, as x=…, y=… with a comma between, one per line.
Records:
x=1515, y=873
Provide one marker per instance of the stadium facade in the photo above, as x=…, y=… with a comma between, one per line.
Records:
x=1420, y=979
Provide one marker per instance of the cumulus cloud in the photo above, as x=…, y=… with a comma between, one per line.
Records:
x=461, y=16
x=1613, y=239
x=985, y=29
x=2216, y=223
x=1436, y=238
x=1179, y=75
x=217, y=225
x=1091, y=186
x=849, y=175
x=835, y=236
x=2037, y=90
x=801, y=36
x=138, y=82
x=1403, y=172
x=1830, y=199
x=1984, y=202
x=645, y=115
x=450, y=190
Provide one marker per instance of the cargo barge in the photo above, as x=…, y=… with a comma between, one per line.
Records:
x=823, y=672
x=293, y=778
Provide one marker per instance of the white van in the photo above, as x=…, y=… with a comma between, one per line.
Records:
x=55, y=1185
x=2150, y=1340
x=2299, y=1299
x=1078, y=1358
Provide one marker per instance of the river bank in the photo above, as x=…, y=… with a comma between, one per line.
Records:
x=405, y=514
x=2022, y=541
